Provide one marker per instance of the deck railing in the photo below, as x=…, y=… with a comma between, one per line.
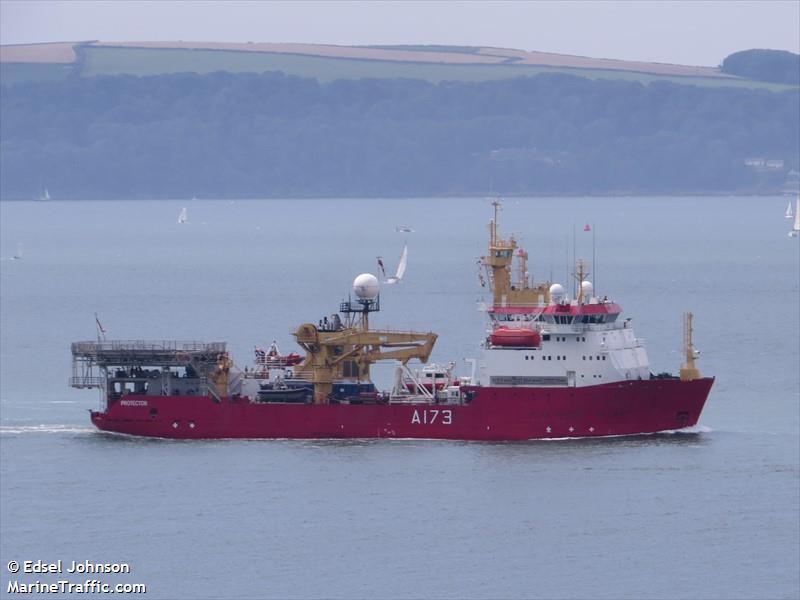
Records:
x=94, y=347
x=87, y=381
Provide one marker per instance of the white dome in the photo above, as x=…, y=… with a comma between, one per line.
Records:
x=588, y=290
x=556, y=292
x=366, y=286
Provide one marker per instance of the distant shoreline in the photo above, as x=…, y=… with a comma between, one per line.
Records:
x=762, y=194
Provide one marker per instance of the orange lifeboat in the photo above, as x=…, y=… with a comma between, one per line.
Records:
x=503, y=336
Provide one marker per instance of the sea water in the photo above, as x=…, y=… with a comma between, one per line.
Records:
x=708, y=513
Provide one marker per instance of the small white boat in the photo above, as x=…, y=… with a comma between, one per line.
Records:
x=789, y=214
x=401, y=267
x=183, y=217
x=18, y=254
x=44, y=196
x=432, y=377
x=795, y=231
x=404, y=229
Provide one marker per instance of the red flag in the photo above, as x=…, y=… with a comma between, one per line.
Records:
x=587, y=228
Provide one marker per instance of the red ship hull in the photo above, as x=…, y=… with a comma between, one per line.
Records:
x=495, y=413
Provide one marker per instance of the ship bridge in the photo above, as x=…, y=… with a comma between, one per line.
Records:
x=575, y=314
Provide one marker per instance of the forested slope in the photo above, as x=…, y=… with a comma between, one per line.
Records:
x=269, y=135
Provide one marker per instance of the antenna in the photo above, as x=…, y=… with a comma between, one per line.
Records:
x=101, y=331
x=566, y=258
x=574, y=258
x=497, y=204
x=594, y=264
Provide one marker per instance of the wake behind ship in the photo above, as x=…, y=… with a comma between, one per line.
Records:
x=552, y=367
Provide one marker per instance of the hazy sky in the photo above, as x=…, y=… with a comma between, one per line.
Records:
x=685, y=32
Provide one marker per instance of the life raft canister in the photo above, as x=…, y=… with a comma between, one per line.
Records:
x=503, y=336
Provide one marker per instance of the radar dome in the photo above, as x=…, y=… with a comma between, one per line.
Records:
x=366, y=286
x=588, y=290
x=556, y=293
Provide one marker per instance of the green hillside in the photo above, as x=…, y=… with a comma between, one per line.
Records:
x=110, y=60
x=145, y=61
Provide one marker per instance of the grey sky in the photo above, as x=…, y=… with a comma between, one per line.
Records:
x=685, y=32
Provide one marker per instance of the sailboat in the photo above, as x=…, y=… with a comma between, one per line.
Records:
x=796, y=225
x=401, y=267
x=183, y=217
x=18, y=255
x=44, y=196
x=789, y=214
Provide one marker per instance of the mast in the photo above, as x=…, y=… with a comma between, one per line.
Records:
x=594, y=261
x=498, y=263
x=580, y=276
x=688, y=370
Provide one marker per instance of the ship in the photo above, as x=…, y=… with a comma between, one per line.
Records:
x=552, y=366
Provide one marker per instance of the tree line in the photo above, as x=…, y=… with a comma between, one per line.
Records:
x=226, y=135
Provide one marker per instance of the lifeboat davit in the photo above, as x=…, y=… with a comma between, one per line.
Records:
x=503, y=336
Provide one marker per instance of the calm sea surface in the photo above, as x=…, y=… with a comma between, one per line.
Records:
x=714, y=513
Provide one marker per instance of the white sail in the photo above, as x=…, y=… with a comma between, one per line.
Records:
x=401, y=267
x=789, y=214
x=796, y=227
x=183, y=217
x=18, y=255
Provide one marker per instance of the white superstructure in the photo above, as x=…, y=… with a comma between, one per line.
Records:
x=540, y=337
x=574, y=345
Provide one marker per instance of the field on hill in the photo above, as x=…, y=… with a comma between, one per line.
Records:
x=46, y=62
x=59, y=52
x=157, y=61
